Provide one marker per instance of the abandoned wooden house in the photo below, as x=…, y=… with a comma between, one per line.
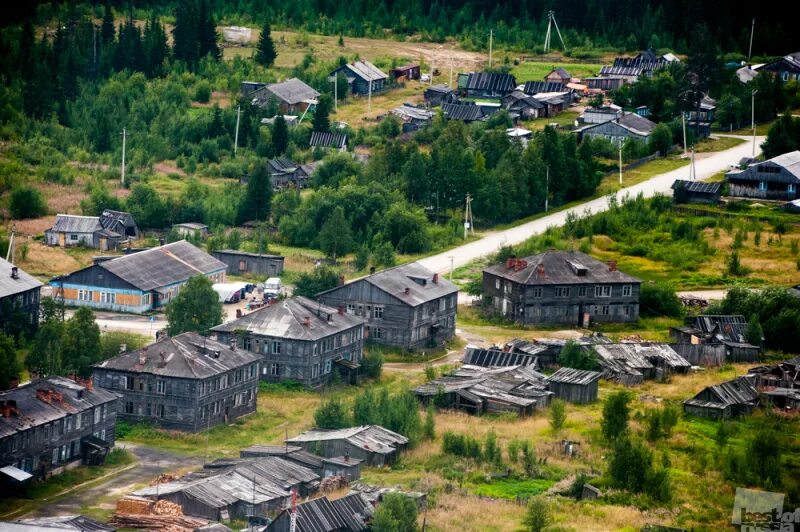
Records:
x=325, y=140
x=773, y=179
x=292, y=96
x=242, y=262
x=363, y=77
x=785, y=374
x=629, y=126
x=191, y=230
x=284, y=173
x=407, y=306
x=632, y=363
x=300, y=339
x=558, y=75
x=478, y=390
x=488, y=85
x=734, y=398
x=105, y=232
x=494, y=357
x=712, y=340
x=574, y=385
x=522, y=106
x=465, y=112
x=351, y=513
x=186, y=382
x=412, y=118
x=439, y=94
x=335, y=466
x=139, y=282
x=237, y=489
x=701, y=120
x=406, y=72
x=561, y=287
x=696, y=192
x=19, y=300
x=50, y=424
x=375, y=445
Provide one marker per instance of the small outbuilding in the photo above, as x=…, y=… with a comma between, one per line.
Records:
x=696, y=192
x=242, y=262
x=574, y=385
x=407, y=72
x=191, y=230
x=722, y=401
x=375, y=445
x=438, y=94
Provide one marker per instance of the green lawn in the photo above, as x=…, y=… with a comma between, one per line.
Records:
x=610, y=183
x=719, y=144
x=567, y=118
x=536, y=71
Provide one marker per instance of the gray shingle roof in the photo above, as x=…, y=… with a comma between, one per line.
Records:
x=739, y=391
x=636, y=123
x=10, y=286
x=70, y=223
x=187, y=355
x=286, y=319
x=162, y=266
x=574, y=376
x=373, y=438
x=561, y=267
x=292, y=91
x=701, y=187
x=325, y=139
x=366, y=70
x=463, y=111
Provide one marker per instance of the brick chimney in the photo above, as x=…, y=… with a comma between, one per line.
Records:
x=540, y=270
x=612, y=265
x=341, y=280
x=142, y=357
x=14, y=272
x=307, y=321
x=435, y=278
x=340, y=309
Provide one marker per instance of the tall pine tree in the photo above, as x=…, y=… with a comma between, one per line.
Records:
x=280, y=136
x=256, y=203
x=207, y=32
x=265, y=51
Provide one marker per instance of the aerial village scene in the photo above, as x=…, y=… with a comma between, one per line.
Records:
x=396, y=266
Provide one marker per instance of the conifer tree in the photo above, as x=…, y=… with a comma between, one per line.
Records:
x=207, y=32
x=265, y=51
x=280, y=136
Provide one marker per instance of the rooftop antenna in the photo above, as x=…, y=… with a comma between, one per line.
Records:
x=551, y=21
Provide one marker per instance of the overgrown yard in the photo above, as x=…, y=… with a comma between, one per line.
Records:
x=536, y=71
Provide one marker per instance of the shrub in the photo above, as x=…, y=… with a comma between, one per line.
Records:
x=615, y=414
x=27, y=202
x=372, y=365
x=575, y=356
x=735, y=267
x=202, y=92
x=396, y=512
x=331, y=415
x=558, y=414
x=537, y=516
x=659, y=299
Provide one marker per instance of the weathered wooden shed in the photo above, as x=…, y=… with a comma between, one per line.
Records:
x=339, y=466
x=632, y=363
x=574, y=385
x=348, y=514
x=376, y=445
x=734, y=398
x=242, y=262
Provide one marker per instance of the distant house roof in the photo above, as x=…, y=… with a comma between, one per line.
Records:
x=292, y=91
x=621, y=360
x=636, y=66
x=724, y=328
x=372, y=438
x=408, y=113
x=562, y=73
x=162, y=266
x=36, y=405
x=698, y=187
x=325, y=139
x=191, y=225
x=282, y=165
x=323, y=515
x=463, y=111
x=637, y=124
x=739, y=391
x=366, y=70
x=444, y=89
x=746, y=74
x=70, y=223
x=490, y=82
x=287, y=319
x=789, y=162
x=574, y=376
x=559, y=267
x=789, y=62
x=498, y=357
x=536, y=87
x=10, y=285
x=519, y=96
x=62, y=522
x=188, y=356
x=237, y=253
x=116, y=221
x=412, y=284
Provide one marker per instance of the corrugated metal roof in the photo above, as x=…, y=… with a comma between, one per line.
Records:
x=463, y=111
x=490, y=82
x=366, y=70
x=286, y=319
x=560, y=267
x=163, y=266
x=187, y=355
x=699, y=187
x=739, y=391
x=70, y=223
x=33, y=411
x=10, y=286
x=496, y=357
x=69, y=522
x=372, y=438
x=574, y=376
x=292, y=91
x=325, y=139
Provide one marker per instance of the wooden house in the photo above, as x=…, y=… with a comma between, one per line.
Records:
x=407, y=306
x=328, y=141
x=191, y=230
x=604, y=83
x=564, y=287
x=350, y=513
x=19, y=301
x=104, y=232
x=50, y=424
x=248, y=87
x=335, y=466
x=412, y=118
x=290, y=97
x=522, y=105
x=186, y=382
x=284, y=173
x=700, y=120
x=696, y=192
x=558, y=75
x=299, y=339
x=243, y=262
x=465, y=112
x=363, y=77
x=631, y=363
x=406, y=72
x=734, y=398
x=478, y=390
x=716, y=333
x=439, y=94
x=629, y=69
x=375, y=445
x=785, y=374
x=574, y=385
x=554, y=103
x=787, y=68
x=489, y=85
x=532, y=88
x=773, y=179
x=627, y=126
x=600, y=115
x=138, y=282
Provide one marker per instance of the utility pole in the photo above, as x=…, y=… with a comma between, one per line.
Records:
x=369, y=97
x=450, y=83
x=451, y=267
x=551, y=21
x=753, y=118
x=124, y=137
x=547, y=188
x=336, y=93
x=750, y=49
x=620, y=163
x=683, y=123
x=10, y=252
x=490, y=48
x=236, y=136
x=468, y=217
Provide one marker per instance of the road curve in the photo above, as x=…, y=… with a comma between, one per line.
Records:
x=661, y=183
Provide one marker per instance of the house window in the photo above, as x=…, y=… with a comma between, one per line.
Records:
x=606, y=310
x=627, y=310
x=627, y=290
x=377, y=332
x=377, y=312
x=97, y=413
x=602, y=291
x=73, y=238
x=791, y=188
x=314, y=371
x=129, y=407
x=537, y=292
x=562, y=291
x=316, y=349
x=351, y=308
x=274, y=369
x=327, y=366
x=762, y=185
x=85, y=295
x=145, y=299
x=161, y=387
x=108, y=297
x=497, y=284
x=581, y=291
x=276, y=347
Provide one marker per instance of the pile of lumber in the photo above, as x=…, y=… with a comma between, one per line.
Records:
x=333, y=483
x=164, y=478
x=142, y=513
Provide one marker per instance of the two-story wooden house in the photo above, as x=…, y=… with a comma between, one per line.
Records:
x=186, y=382
x=19, y=300
x=299, y=339
x=51, y=423
x=561, y=287
x=408, y=306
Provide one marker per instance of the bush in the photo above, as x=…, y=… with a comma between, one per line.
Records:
x=202, y=92
x=558, y=414
x=575, y=356
x=537, y=516
x=396, y=513
x=372, y=365
x=615, y=415
x=659, y=299
x=27, y=202
x=331, y=415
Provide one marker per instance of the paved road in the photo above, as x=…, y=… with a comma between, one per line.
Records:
x=150, y=463
x=704, y=167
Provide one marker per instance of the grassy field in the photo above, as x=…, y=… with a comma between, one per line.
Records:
x=536, y=71
x=717, y=144
x=610, y=183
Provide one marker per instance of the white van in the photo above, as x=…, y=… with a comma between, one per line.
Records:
x=272, y=287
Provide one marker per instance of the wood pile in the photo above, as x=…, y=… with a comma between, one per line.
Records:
x=164, y=478
x=142, y=513
x=333, y=483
